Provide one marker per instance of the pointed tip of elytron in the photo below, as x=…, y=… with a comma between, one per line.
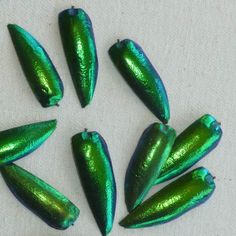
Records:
x=163, y=112
x=11, y=27
x=164, y=118
x=84, y=99
x=131, y=204
x=105, y=233
x=6, y=169
x=158, y=181
x=164, y=121
x=123, y=223
x=129, y=207
x=52, y=123
x=105, y=229
x=85, y=103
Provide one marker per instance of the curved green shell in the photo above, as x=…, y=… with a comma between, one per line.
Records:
x=41, y=198
x=139, y=73
x=172, y=201
x=80, y=51
x=37, y=66
x=18, y=142
x=95, y=170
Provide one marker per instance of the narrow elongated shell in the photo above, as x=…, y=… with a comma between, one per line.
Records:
x=18, y=142
x=191, y=146
x=172, y=201
x=41, y=198
x=95, y=170
x=80, y=50
x=37, y=66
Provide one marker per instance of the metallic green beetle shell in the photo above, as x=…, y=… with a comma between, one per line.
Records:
x=37, y=66
x=95, y=170
x=153, y=149
x=190, y=146
x=141, y=76
x=173, y=200
x=80, y=51
x=41, y=198
x=18, y=142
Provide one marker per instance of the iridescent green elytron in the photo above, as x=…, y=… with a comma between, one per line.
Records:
x=153, y=149
x=18, y=142
x=95, y=169
x=172, y=201
x=37, y=66
x=80, y=50
x=41, y=198
x=142, y=77
x=190, y=146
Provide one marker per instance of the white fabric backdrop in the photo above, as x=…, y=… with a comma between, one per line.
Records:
x=193, y=46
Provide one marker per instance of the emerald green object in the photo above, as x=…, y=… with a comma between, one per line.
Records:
x=18, y=142
x=41, y=198
x=172, y=201
x=190, y=146
x=141, y=76
x=80, y=51
x=95, y=170
x=37, y=66
x=153, y=149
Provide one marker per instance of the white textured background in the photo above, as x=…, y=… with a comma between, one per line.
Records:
x=193, y=46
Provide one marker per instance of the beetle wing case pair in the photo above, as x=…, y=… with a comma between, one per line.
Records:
x=44, y=200
x=79, y=46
